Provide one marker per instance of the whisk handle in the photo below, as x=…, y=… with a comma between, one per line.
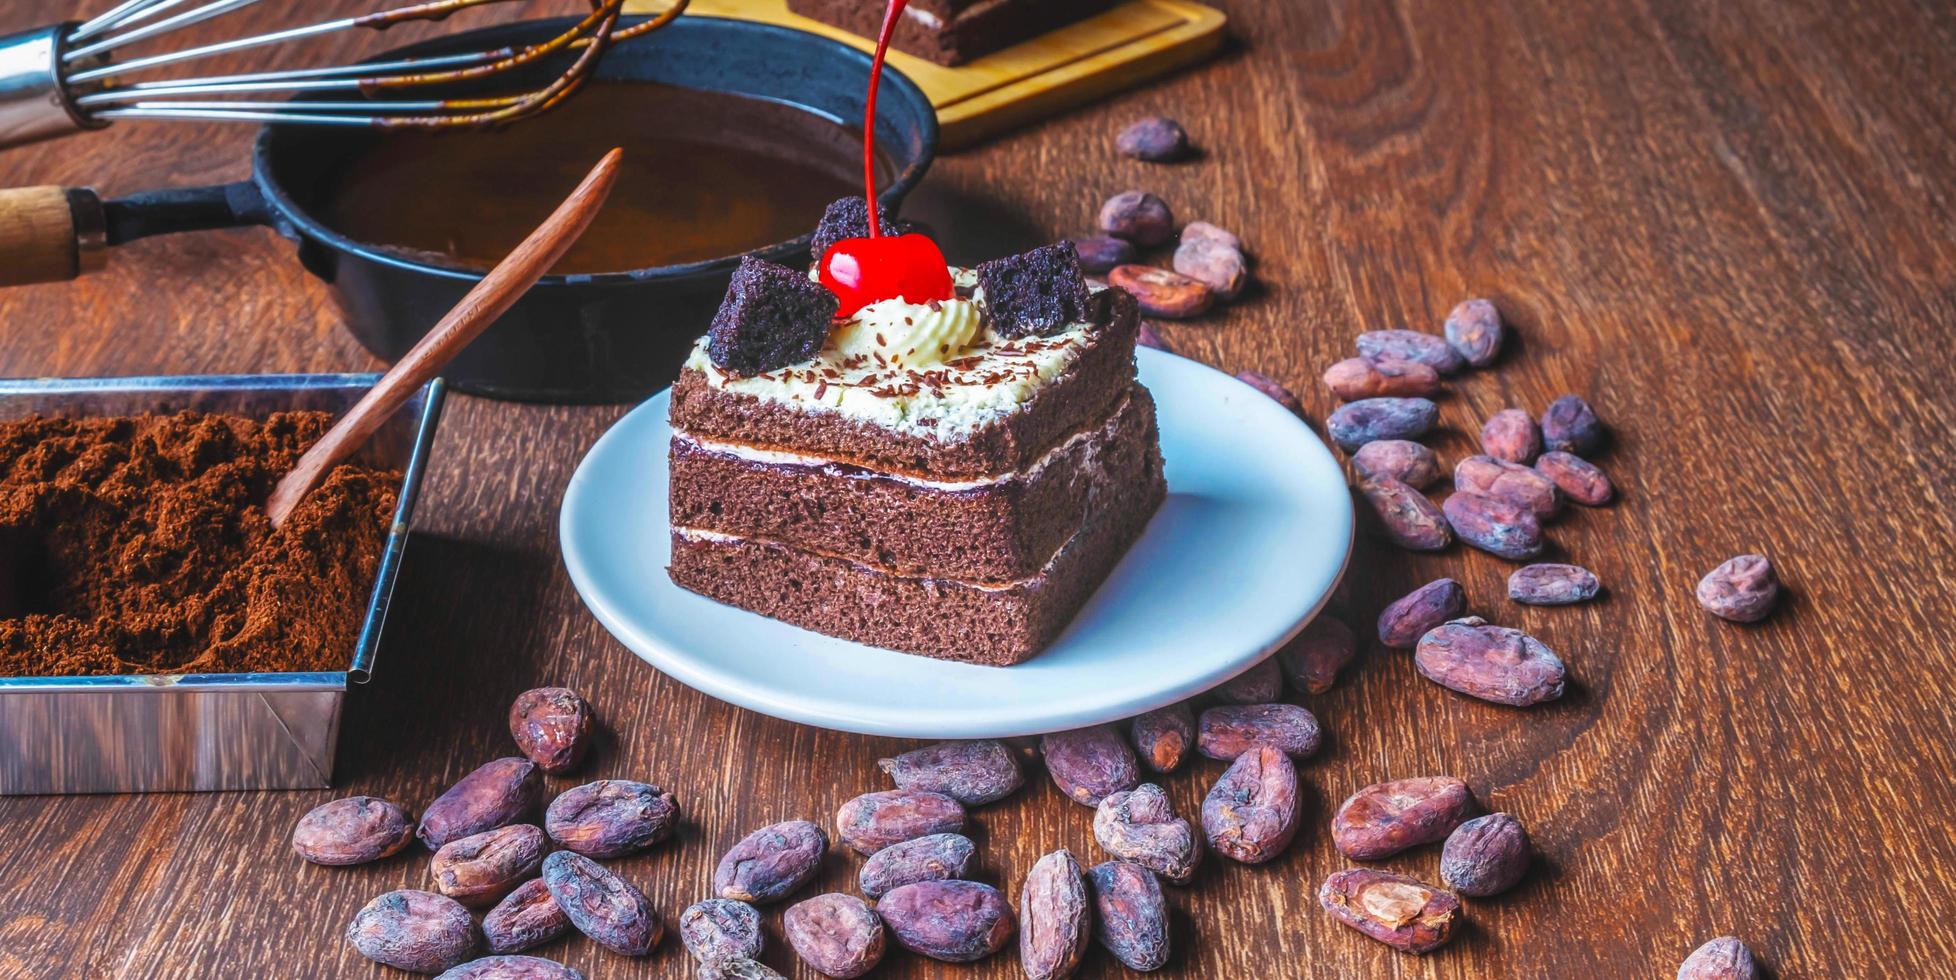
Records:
x=50, y=234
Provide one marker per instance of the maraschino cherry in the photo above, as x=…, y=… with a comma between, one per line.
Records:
x=861, y=271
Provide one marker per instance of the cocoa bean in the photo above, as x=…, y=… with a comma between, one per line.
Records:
x=1579, y=479
x=1261, y=684
x=1510, y=434
x=1724, y=958
x=1475, y=330
x=973, y=773
x=738, y=969
x=481, y=869
x=1156, y=139
x=952, y=921
x=552, y=727
x=1552, y=585
x=527, y=917
x=1054, y=917
x=1089, y=763
x=1211, y=234
x=1410, y=616
x=1493, y=663
x=1208, y=259
x=1133, y=914
x=1228, y=731
x=1161, y=292
x=1147, y=336
x=512, y=968
x=1743, y=589
x=771, y=863
x=601, y=905
x=1404, y=913
x=1312, y=661
x=1510, y=482
x=1485, y=856
x=1164, y=736
x=874, y=821
x=1358, y=378
x=354, y=830
x=1401, y=459
x=1251, y=814
x=721, y=929
x=1099, y=253
x=1270, y=386
x=933, y=857
x=1140, y=825
x=1385, y=818
x=1496, y=526
x=835, y=934
x=1406, y=516
x=416, y=931
x=611, y=817
x=1571, y=426
x=499, y=793
x=1137, y=216
x=1411, y=345
x=1354, y=424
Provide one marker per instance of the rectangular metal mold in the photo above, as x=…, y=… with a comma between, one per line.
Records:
x=137, y=733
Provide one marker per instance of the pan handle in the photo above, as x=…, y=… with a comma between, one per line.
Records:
x=50, y=234
x=53, y=234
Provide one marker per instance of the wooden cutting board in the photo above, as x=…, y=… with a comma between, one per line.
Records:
x=1120, y=48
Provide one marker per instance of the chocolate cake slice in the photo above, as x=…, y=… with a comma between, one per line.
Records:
x=952, y=32
x=931, y=480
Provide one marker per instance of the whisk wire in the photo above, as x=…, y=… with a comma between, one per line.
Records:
x=121, y=15
x=97, y=85
x=334, y=78
x=195, y=15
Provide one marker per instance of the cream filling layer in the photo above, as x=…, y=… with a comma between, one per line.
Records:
x=715, y=537
x=775, y=457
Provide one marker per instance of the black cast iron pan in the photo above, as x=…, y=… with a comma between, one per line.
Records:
x=581, y=338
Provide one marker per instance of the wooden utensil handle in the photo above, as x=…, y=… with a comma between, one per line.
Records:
x=50, y=234
x=487, y=300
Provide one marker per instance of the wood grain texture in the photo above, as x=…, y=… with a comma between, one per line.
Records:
x=37, y=236
x=1727, y=224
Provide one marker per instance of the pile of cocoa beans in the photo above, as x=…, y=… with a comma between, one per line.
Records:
x=1209, y=265
x=491, y=854
x=1502, y=497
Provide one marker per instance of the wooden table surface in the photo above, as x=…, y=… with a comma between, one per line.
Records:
x=1728, y=224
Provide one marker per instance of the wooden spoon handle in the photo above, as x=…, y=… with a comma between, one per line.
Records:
x=490, y=298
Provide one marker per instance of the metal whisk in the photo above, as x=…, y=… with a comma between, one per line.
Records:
x=66, y=78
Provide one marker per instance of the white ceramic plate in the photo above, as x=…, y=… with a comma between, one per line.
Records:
x=1251, y=541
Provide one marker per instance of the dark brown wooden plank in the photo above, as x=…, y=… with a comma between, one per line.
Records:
x=1727, y=224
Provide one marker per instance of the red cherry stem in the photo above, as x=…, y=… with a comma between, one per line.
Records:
x=869, y=112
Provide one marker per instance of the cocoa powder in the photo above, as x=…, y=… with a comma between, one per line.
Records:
x=140, y=546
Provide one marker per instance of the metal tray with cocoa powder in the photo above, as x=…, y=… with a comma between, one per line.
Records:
x=149, y=733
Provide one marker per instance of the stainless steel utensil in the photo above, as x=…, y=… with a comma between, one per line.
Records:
x=69, y=77
x=139, y=733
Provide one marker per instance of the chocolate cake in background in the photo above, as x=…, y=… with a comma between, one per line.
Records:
x=952, y=32
x=953, y=478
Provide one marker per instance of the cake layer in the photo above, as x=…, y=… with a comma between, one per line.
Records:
x=951, y=32
x=995, y=529
x=992, y=624
x=996, y=409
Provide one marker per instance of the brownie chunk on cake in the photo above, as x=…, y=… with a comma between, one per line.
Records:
x=953, y=478
x=952, y=32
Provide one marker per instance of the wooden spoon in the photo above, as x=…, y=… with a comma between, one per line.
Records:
x=490, y=298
